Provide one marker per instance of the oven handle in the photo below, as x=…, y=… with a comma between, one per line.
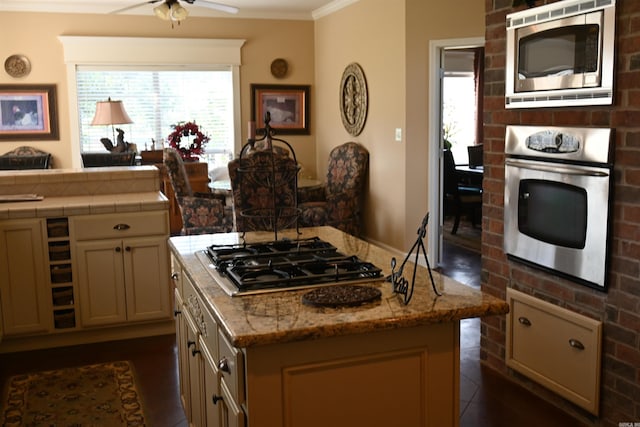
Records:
x=536, y=166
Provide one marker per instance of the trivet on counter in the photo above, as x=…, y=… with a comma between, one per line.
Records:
x=341, y=296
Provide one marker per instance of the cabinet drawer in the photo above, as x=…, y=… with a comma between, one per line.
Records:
x=556, y=347
x=109, y=226
x=231, y=367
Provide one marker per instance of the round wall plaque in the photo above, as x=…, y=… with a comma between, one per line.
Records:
x=353, y=99
x=17, y=66
x=279, y=68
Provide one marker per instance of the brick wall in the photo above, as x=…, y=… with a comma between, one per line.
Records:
x=619, y=308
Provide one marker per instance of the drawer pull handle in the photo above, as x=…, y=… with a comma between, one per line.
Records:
x=576, y=344
x=524, y=321
x=216, y=399
x=223, y=365
x=194, y=352
x=176, y=312
x=190, y=343
x=121, y=227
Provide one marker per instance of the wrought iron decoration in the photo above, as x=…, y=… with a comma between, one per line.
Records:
x=353, y=99
x=402, y=285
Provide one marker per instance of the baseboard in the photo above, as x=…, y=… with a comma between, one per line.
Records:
x=86, y=336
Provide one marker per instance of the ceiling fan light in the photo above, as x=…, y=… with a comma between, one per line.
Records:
x=178, y=13
x=163, y=11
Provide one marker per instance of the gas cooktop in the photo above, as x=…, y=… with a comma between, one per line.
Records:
x=243, y=269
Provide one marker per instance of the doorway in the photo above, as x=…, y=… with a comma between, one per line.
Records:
x=454, y=122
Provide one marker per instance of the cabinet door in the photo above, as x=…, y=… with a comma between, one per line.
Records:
x=194, y=357
x=181, y=346
x=26, y=305
x=211, y=398
x=146, y=269
x=101, y=282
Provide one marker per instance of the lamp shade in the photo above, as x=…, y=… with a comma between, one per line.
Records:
x=178, y=13
x=110, y=113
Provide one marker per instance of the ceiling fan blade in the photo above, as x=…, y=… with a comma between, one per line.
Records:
x=134, y=6
x=215, y=6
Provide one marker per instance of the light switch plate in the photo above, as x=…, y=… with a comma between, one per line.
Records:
x=398, y=134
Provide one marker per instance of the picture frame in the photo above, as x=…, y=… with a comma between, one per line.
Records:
x=288, y=106
x=28, y=112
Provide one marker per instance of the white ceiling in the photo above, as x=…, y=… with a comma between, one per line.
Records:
x=264, y=9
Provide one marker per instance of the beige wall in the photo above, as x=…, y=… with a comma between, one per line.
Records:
x=371, y=33
x=35, y=35
x=390, y=40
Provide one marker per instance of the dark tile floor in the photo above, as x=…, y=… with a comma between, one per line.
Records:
x=487, y=398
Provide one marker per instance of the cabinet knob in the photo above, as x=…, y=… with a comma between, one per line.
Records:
x=174, y=276
x=127, y=248
x=524, y=321
x=216, y=399
x=576, y=344
x=223, y=365
x=121, y=227
x=118, y=249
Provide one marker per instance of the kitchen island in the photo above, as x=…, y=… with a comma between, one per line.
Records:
x=270, y=360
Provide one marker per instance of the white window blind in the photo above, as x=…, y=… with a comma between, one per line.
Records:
x=157, y=99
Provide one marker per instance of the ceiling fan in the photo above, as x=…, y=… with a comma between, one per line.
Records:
x=173, y=10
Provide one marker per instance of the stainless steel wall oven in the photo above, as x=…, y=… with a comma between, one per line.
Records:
x=557, y=200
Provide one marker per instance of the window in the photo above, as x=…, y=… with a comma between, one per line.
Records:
x=160, y=81
x=156, y=100
x=459, y=113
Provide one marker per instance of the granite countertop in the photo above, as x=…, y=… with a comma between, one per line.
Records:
x=253, y=320
x=51, y=206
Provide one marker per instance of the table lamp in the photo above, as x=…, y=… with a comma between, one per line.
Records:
x=110, y=113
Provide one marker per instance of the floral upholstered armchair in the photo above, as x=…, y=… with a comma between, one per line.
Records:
x=339, y=203
x=202, y=213
x=264, y=185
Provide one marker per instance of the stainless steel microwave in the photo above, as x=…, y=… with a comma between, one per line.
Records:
x=561, y=54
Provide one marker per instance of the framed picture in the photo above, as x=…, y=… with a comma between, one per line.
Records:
x=28, y=112
x=288, y=106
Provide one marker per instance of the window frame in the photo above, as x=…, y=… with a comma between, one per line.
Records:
x=140, y=51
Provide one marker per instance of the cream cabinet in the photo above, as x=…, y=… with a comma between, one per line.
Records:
x=202, y=366
x=339, y=381
x=555, y=347
x=24, y=290
x=122, y=267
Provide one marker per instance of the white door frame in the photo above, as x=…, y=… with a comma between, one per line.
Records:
x=436, y=48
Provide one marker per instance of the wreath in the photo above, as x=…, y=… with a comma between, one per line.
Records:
x=194, y=147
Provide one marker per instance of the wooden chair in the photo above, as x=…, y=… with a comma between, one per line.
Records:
x=459, y=198
x=202, y=213
x=339, y=202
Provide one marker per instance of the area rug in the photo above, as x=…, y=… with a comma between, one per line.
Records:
x=468, y=236
x=88, y=396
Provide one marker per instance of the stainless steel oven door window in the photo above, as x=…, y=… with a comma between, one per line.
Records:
x=556, y=216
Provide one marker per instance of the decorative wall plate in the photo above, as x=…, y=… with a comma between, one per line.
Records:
x=279, y=68
x=17, y=66
x=353, y=99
